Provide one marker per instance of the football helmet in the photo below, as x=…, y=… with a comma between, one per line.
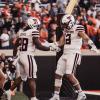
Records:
x=67, y=21
x=33, y=22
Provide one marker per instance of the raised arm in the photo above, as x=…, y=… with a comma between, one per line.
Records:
x=89, y=41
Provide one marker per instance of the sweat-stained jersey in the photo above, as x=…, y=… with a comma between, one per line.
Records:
x=73, y=41
x=25, y=39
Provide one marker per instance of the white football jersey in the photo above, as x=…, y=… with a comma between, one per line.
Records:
x=73, y=41
x=25, y=39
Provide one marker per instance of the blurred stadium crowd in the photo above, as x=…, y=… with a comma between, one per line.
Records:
x=13, y=14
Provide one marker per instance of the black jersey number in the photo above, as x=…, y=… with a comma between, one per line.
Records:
x=68, y=39
x=23, y=44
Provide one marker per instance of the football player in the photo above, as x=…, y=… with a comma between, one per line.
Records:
x=28, y=40
x=67, y=64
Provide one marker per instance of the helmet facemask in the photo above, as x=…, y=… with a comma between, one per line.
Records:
x=67, y=22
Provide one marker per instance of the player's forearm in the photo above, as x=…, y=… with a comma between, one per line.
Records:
x=89, y=41
x=41, y=47
x=61, y=41
x=14, y=51
x=91, y=44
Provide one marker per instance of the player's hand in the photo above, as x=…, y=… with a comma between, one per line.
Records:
x=54, y=47
x=57, y=49
x=95, y=49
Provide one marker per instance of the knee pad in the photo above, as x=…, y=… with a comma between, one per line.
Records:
x=58, y=82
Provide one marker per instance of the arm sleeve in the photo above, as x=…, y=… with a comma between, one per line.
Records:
x=15, y=47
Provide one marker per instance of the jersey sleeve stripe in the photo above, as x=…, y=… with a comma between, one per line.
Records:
x=80, y=29
x=35, y=35
x=35, y=32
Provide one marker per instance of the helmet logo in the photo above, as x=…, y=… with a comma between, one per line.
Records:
x=35, y=21
x=69, y=17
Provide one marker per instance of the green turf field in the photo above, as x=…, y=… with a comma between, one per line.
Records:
x=19, y=96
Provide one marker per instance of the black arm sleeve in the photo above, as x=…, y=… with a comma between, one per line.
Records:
x=15, y=47
x=39, y=45
x=59, y=33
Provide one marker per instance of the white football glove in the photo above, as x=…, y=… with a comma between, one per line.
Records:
x=54, y=47
x=95, y=49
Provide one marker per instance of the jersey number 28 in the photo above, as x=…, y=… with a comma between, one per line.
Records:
x=23, y=44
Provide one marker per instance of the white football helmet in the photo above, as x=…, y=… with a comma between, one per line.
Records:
x=33, y=22
x=67, y=21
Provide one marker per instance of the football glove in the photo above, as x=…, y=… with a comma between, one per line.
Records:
x=95, y=49
x=54, y=47
x=92, y=46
